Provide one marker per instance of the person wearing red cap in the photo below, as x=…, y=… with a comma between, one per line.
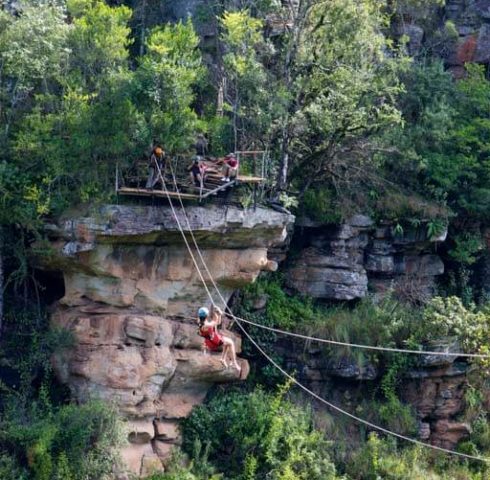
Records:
x=230, y=169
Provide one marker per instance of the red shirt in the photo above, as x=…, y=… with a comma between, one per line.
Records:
x=232, y=162
x=212, y=339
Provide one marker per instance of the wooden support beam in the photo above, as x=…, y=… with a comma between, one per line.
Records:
x=143, y=192
x=219, y=189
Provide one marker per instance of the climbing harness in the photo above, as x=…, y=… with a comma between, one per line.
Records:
x=275, y=364
x=212, y=339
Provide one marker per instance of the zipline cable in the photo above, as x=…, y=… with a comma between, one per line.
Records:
x=311, y=338
x=355, y=345
x=276, y=365
x=350, y=415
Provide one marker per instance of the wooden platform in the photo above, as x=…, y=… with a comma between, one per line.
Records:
x=212, y=177
x=212, y=186
x=143, y=192
x=248, y=179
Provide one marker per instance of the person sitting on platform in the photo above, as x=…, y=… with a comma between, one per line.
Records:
x=230, y=168
x=156, y=167
x=197, y=172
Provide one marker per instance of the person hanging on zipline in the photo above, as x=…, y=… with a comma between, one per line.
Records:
x=156, y=167
x=213, y=340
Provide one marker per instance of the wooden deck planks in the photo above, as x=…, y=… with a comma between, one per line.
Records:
x=143, y=192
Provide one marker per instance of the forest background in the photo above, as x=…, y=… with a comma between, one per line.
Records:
x=354, y=121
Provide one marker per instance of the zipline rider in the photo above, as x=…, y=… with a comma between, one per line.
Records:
x=213, y=340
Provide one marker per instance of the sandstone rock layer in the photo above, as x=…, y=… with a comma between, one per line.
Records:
x=344, y=262
x=131, y=292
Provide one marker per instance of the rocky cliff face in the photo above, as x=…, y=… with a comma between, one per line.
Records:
x=459, y=32
x=131, y=292
x=436, y=391
x=435, y=387
x=342, y=262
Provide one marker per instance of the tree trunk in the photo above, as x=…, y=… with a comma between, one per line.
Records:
x=143, y=28
x=1, y=281
x=284, y=165
x=298, y=12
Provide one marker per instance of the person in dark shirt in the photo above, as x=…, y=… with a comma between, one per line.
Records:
x=196, y=171
x=201, y=146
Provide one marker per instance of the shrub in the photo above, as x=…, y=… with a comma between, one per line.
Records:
x=179, y=468
x=320, y=204
x=467, y=248
x=10, y=469
x=259, y=435
x=449, y=317
x=70, y=442
x=387, y=323
x=380, y=458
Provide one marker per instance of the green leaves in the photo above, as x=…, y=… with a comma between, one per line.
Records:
x=260, y=435
x=73, y=443
x=99, y=40
x=72, y=108
x=445, y=139
x=33, y=45
x=241, y=30
x=346, y=87
x=164, y=84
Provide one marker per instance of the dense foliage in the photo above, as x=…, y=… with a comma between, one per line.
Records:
x=260, y=435
x=68, y=125
x=42, y=436
x=66, y=443
x=352, y=120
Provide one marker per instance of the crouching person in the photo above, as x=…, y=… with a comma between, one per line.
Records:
x=197, y=172
x=213, y=340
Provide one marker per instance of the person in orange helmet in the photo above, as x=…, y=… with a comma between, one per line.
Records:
x=156, y=165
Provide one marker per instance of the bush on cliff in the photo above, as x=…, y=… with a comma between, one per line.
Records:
x=70, y=442
x=259, y=435
x=383, y=458
x=449, y=317
x=41, y=437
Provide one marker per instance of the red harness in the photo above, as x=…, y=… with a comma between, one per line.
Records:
x=212, y=339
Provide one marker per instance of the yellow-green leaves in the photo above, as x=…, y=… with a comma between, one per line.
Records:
x=241, y=29
x=99, y=40
x=165, y=81
x=449, y=317
x=175, y=44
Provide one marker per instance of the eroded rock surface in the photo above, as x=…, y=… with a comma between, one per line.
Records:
x=342, y=262
x=131, y=292
x=437, y=394
x=435, y=388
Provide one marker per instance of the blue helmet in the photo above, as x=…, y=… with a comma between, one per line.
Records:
x=203, y=312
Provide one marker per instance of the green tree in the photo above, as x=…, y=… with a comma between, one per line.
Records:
x=164, y=84
x=348, y=88
x=260, y=435
x=248, y=97
x=443, y=145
